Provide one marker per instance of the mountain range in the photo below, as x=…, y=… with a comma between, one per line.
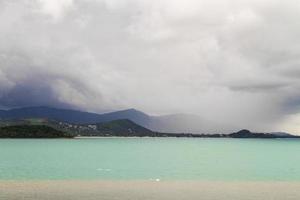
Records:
x=45, y=128
x=176, y=123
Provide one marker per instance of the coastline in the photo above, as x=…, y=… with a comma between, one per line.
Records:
x=102, y=137
x=148, y=190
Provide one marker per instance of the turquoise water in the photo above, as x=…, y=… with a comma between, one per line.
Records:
x=150, y=158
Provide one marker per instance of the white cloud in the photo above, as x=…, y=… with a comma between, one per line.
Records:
x=55, y=8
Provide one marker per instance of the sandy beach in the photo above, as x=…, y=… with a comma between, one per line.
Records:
x=148, y=190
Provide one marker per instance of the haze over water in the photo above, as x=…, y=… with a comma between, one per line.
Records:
x=158, y=159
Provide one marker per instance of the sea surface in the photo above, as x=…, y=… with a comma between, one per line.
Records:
x=156, y=159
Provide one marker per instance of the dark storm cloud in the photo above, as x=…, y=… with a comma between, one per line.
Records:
x=30, y=94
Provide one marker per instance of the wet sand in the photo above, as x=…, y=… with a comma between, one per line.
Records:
x=148, y=190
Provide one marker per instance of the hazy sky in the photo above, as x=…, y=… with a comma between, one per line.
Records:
x=229, y=61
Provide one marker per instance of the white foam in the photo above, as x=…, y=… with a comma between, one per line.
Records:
x=104, y=169
x=155, y=179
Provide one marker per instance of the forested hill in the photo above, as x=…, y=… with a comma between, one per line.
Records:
x=31, y=131
x=123, y=127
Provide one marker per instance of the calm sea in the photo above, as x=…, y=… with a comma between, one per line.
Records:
x=150, y=159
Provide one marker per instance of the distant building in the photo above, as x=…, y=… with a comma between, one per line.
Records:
x=94, y=127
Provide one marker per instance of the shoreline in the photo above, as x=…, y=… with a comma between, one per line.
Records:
x=148, y=137
x=148, y=190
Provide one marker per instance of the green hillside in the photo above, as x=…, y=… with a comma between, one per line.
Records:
x=122, y=127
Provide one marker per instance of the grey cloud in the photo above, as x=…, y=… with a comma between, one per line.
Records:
x=227, y=61
x=258, y=87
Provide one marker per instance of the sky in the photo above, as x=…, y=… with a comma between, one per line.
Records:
x=233, y=62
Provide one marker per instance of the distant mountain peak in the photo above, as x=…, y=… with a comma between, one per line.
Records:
x=133, y=110
x=244, y=131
